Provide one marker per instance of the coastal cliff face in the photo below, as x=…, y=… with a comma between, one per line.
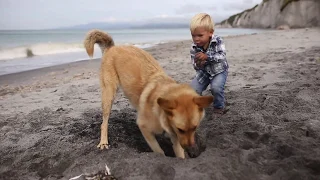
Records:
x=277, y=14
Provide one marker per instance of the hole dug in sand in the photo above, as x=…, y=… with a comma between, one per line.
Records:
x=123, y=130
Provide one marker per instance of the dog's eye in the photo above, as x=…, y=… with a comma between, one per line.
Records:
x=181, y=131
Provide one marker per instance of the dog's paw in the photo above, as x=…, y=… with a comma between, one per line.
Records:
x=103, y=146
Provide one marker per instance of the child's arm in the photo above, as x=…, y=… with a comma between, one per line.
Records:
x=218, y=53
x=193, y=59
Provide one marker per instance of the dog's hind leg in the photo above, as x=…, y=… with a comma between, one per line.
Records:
x=109, y=84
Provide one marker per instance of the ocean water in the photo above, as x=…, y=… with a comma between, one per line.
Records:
x=53, y=47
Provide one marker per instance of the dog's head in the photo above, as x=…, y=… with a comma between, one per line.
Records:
x=183, y=114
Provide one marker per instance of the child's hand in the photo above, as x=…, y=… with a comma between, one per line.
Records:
x=201, y=59
x=201, y=56
x=200, y=63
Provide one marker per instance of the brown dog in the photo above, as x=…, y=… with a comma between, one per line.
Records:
x=161, y=103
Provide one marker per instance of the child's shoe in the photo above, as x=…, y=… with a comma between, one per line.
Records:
x=220, y=111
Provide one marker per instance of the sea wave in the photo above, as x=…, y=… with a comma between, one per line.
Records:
x=39, y=49
x=52, y=48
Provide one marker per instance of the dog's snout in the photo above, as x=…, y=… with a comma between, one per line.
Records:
x=192, y=142
x=189, y=143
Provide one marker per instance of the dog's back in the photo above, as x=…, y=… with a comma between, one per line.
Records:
x=128, y=66
x=133, y=67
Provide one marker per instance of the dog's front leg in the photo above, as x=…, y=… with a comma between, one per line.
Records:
x=178, y=150
x=151, y=139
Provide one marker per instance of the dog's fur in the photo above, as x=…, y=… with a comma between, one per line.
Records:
x=161, y=103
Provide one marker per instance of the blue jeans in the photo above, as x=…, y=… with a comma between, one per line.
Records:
x=216, y=86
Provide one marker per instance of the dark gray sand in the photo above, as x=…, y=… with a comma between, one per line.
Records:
x=50, y=130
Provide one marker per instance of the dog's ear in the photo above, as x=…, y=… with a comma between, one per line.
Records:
x=203, y=101
x=167, y=104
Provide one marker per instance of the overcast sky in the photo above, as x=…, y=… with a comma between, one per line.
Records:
x=43, y=14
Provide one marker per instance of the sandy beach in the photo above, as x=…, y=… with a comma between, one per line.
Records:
x=50, y=118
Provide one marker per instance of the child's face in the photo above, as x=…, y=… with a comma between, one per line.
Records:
x=201, y=37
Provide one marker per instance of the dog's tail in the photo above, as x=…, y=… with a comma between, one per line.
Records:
x=104, y=40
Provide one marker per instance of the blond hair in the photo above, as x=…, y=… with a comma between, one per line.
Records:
x=202, y=20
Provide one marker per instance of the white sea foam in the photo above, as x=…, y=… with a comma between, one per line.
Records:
x=50, y=48
x=39, y=49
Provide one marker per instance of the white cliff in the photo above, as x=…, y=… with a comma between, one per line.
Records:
x=277, y=14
